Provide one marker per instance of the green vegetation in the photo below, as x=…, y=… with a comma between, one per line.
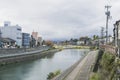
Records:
x=81, y=47
x=93, y=48
x=95, y=37
x=95, y=76
x=51, y=75
x=107, y=61
x=108, y=66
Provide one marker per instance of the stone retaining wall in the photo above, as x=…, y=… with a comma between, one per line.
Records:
x=18, y=50
x=15, y=59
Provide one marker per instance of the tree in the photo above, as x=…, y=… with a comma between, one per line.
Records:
x=43, y=42
x=95, y=37
x=75, y=40
x=49, y=43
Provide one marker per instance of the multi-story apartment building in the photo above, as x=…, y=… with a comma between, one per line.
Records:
x=25, y=39
x=35, y=35
x=37, y=38
x=12, y=31
x=116, y=34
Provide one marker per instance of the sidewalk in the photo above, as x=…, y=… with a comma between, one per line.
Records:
x=81, y=72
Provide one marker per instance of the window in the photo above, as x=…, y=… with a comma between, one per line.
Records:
x=18, y=29
x=19, y=38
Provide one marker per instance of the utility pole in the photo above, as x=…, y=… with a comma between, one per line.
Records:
x=102, y=32
x=102, y=35
x=107, y=18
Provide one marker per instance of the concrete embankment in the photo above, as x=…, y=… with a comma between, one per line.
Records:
x=25, y=57
x=67, y=71
x=19, y=50
x=80, y=70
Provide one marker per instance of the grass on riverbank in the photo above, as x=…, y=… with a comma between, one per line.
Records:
x=51, y=75
x=95, y=76
x=81, y=47
x=107, y=67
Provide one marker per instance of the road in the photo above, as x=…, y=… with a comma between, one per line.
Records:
x=24, y=53
x=82, y=71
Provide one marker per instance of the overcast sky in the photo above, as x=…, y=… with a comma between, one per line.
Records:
x=59, y=19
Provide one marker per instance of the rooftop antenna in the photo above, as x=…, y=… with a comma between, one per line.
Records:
x=107, y=7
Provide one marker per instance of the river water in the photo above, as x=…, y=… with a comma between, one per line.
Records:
x=39, y=69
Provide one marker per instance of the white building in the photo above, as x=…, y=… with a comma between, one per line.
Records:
x=116, y=32
x=39, y=41
x=13, y=32
x=80, y=42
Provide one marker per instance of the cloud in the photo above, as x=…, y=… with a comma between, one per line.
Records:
x=59, y=19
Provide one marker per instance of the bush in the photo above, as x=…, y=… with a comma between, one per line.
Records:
x=50, y=75
x=93, y=48
x=53, y=74
x=107, y=67
x=95, y=76
x=107, y=64
x=107, y=61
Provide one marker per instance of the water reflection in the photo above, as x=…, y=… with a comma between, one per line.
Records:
x=38, y=69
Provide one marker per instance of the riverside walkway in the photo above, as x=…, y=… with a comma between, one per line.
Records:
x=80, y=70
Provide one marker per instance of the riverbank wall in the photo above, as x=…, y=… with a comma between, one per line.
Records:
x=18, y=50
x=69, y=70
x=80, y=70
x=26, y=57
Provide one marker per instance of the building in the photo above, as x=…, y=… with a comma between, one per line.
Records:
x=116, y=33
x=84, y=41
x=25, y=39
x=12, y=31
x=7, y=43
x=80, y=42
x=35, y=35
x=0, y=34
x=32, y=42
x=39, y=41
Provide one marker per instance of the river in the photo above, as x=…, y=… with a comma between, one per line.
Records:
x=39, y=69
